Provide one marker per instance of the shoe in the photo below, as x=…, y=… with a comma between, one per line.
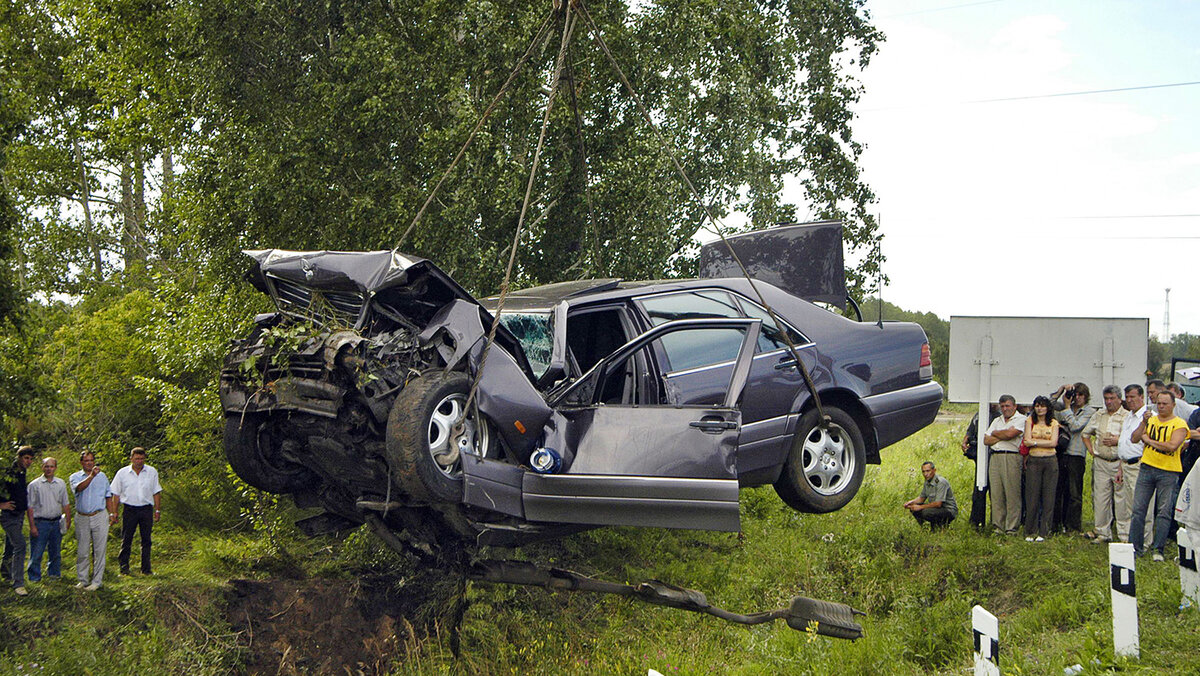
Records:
x=1090, y=535
x=1029, y=539
x=21, y=591
x=1039, y=539
x=92, y=587
x=124, y=571
x=79, y=585
x=1101, y=541
x=1157, y=557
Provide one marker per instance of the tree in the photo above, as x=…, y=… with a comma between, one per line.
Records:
x=326, y=125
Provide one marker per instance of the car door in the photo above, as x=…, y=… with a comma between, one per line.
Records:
x=642, y=461
x=697, y=367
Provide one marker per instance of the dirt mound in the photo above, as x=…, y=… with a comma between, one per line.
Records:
x=336, y=626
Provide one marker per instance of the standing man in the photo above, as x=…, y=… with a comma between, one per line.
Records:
x=14, y=507
x=1003, y=436
x=1163, y=436
x=136, y=487
x=1074, y=416
x=1100, y=437
x=48, y=505
x=935, y=505
x=94, y=507
x=1130, y=451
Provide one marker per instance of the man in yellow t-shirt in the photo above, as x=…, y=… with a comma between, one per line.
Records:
x=1163, y=436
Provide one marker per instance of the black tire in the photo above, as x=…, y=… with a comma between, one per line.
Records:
x=424, y=455
x=253, y=448
x=825, y=467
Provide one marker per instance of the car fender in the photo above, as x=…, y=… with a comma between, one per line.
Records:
x=503, y=393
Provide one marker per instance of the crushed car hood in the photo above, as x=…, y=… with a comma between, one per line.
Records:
x=369, y=271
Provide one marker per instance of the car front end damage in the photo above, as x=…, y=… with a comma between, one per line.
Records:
x=308, y=394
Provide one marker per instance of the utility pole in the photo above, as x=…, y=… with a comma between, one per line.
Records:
x=1167, y=318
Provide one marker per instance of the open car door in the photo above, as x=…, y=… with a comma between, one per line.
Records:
x=631, y=455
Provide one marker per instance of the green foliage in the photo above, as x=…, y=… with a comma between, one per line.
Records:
x=96, y=357
x=1159, y=354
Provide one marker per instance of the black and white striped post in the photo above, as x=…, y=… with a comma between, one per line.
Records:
x=1189, y=576
x=986, y=629
x=1124, y=599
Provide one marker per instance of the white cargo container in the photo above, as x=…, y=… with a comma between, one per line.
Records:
x=1028, y=356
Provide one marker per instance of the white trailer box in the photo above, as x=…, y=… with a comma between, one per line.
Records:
x=1028, y=356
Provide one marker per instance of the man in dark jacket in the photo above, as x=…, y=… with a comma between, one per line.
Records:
x=14, y=508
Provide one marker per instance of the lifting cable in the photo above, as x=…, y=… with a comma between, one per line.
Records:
x=539, y=39
x=568, y=28
x=716, y=226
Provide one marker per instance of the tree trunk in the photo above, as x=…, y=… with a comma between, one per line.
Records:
x=85, y=199
x=168, y=176
x=133, y=209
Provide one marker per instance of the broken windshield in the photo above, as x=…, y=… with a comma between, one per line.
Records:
x=532, y=329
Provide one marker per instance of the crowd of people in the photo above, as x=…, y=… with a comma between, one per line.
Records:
x=46, y=505
x=1143, y=443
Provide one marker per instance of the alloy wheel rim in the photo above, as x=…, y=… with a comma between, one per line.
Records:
x=828, y=460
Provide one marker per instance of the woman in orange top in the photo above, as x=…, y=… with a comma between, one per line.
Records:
x=1041, y=470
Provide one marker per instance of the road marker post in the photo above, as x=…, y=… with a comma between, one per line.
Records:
x=1124, y=599
x=986, y=630
x=1189, y=576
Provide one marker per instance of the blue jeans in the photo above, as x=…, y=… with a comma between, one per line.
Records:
x=1161, y=485
x=48, y=540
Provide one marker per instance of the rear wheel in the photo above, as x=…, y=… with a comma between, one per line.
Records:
x=825, y=466
x=425, y=443
x=255, y=450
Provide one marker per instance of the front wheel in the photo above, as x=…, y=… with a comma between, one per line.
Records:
x=825, y=466
x=428, y=432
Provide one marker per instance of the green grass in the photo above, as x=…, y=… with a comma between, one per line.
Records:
x=917, y=589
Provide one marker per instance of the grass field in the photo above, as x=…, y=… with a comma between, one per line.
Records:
x=917, y=589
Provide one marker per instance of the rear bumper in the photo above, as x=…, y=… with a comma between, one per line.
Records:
x=896, y=415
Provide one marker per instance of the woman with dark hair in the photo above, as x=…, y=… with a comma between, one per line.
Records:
x=1041, y=470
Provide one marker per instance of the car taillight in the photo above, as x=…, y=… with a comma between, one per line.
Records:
x=925, y=372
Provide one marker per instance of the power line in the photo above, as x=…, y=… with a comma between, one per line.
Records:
x=1086, y=92
x=942, y=104
x=941, y=9
x=1136, y=216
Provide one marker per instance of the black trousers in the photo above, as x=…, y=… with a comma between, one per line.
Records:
x=1068, y=501
x=142, y=519
x=936, y=517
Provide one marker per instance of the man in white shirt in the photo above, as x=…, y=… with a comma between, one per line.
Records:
x=136, y=487
x=1182, y=409
x=1003, y=437
x=1130, y=451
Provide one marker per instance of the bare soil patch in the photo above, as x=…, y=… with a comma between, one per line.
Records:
x=323, y=626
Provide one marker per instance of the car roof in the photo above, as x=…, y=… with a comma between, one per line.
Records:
x=544, y=298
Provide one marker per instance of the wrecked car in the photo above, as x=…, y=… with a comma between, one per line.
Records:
x=375, y=392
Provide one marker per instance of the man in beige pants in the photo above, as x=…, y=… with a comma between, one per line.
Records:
x=1003, y=437
x=1100, y=436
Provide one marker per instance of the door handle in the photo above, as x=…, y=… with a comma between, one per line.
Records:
x=713, y=425
x=785, y=364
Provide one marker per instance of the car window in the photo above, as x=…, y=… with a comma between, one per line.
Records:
x=693, y=349
x=532, y=330
x=770, y=339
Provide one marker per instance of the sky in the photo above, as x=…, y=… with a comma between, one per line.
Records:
x=1004, y=191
